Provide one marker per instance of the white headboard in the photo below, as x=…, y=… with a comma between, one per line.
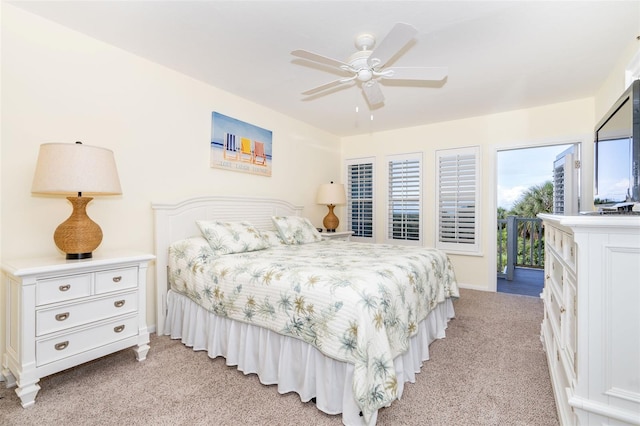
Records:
x=175, y=221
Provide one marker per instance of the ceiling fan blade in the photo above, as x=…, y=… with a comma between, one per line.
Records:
x=397, y=38
x=324, y=87
x=372, y=92
x=415, y=73
x=305, y=54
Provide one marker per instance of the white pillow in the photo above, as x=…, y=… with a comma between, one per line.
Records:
x=296, y=229
x=231, y=237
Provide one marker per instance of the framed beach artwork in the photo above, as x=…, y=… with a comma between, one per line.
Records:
x=240, y=146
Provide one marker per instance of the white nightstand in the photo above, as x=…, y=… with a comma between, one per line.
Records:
x=341, y=235
x=61, y=313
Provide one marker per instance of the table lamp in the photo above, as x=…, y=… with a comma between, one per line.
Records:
x=331, y=194
x=66, y=169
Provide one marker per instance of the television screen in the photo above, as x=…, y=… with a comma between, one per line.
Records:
x=614, y=171
x=617, y=153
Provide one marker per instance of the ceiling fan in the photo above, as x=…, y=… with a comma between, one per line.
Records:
x=367, y=65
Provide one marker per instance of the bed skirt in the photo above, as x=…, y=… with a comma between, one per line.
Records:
x=289, y=363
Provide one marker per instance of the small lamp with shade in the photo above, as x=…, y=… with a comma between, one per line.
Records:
x=76, y=170
x=331, y=194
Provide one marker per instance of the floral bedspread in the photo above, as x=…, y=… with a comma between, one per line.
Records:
x=356, y=302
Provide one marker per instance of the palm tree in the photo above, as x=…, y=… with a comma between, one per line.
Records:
x=536, y=199
x=502, y=213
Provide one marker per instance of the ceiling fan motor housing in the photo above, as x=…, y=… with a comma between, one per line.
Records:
x=358, y=62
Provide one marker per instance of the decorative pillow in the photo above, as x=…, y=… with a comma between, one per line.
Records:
x=296, y=229
x=231, y=237
x=272, y=238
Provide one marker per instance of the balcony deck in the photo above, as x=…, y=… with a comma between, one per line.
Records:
x=526, y=282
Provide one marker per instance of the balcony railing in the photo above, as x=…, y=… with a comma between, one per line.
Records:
x=520, y=243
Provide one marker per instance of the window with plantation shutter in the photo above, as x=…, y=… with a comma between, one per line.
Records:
x=404, y=198
x=565, y=182
x=360, y=198
x=458, y=199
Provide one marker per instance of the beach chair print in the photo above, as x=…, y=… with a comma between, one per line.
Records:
x=230, y=150
x=245, y=150
x=259, y=156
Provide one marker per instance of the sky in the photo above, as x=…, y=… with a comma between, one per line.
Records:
x=520, y=169
x=613, y=176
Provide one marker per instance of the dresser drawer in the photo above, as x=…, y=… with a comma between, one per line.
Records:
x=60, y=289
x=550, y=235
x=555, y=273
x=568, y=249
x=116, y=279
x=72, y=315
x=66, y=345
x=554, y=309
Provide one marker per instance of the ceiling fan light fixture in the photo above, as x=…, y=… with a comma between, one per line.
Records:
x=365, y=75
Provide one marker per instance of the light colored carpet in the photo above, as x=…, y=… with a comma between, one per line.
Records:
x=489, y=370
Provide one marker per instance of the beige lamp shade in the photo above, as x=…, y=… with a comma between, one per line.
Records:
x=76, y=169
x=331, y=194
x=66, y=168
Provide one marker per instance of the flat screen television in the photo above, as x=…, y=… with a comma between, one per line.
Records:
x=617, y=154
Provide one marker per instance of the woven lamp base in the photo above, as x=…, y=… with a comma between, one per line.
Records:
x=331, y=221
x=78, y=236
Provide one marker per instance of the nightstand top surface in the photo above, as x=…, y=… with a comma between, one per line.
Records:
x=337, y=233
x=36, y=265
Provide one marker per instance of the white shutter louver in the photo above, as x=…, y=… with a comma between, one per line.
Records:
x=565, y=182
x=360, y=198
x=457, y=205
x=404, y=200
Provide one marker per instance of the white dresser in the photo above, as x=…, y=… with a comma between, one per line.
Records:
x=61, y=313
x=591, y=325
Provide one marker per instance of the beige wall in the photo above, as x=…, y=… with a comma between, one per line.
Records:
x=613, y=86
x=61, y=86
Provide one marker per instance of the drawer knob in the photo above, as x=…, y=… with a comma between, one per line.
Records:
x=62, y=317
x=64, y=287
x=118, y=328
x=61, y=346
x=117, y=279
x=118, y=303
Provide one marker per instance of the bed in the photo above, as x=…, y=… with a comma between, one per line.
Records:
x=344, y=324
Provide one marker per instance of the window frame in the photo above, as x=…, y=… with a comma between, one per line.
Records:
x=415, y=156
x=459, y=247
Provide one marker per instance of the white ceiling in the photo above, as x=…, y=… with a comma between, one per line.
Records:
x=502, y=55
